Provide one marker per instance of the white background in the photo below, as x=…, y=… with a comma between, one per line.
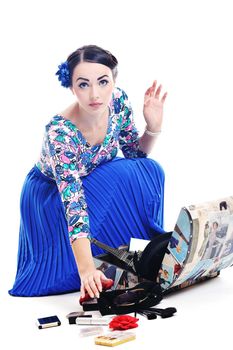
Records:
x=187, y=46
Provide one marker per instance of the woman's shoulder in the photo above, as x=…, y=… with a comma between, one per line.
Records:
x=58, y=124
x=61, y=119
x=69, y=112
x=119, y=100
x=119, y=93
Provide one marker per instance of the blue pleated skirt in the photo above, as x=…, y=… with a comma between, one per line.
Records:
x=124, y=198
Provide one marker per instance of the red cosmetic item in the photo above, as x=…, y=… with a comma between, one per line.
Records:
x=123, y=322
x=105, y=285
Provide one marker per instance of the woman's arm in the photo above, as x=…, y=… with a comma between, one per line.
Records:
x=65, y=168
x=153, y=114
x=147, y=141
x=62, y=150
x=90, y=277
x=130, y=143
x=128, y=135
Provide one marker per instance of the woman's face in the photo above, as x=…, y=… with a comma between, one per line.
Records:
x=92, y=84
x=215, y=225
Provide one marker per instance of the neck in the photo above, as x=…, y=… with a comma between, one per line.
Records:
x=88, y=121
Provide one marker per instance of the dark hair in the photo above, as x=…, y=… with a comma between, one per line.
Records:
x=93, y=54
x=223, y=205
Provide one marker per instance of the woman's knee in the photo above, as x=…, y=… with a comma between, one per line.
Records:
x=154, y=167
x=159, y=169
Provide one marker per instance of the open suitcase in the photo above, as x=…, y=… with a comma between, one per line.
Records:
x=198, y=248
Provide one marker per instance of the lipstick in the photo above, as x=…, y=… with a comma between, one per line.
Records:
x=93, y=321
x=95, y=104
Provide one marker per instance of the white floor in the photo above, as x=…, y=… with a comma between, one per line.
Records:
x=203, y=320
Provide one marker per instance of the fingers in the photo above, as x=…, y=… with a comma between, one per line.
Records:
x=92, y=284
x=158, y=91
x=155, y=92
x=151, y=89
x=98, y=284
x=103, y=277
x=82, y=291
x=148, y=91
x=164, y=97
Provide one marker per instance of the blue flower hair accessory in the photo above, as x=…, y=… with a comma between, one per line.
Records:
x=64, y=74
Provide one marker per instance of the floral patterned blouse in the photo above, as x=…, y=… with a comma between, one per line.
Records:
x=66, y=156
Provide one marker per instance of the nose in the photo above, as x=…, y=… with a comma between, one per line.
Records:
x=94, y=93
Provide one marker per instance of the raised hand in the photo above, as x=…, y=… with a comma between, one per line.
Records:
x=153, y=107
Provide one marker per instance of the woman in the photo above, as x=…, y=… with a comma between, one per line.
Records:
x=79, y=188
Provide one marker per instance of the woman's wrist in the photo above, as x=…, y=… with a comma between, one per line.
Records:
x=86, y=268
x=152, y=132
x=82, y=252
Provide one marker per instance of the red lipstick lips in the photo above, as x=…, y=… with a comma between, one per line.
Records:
x=95, y=104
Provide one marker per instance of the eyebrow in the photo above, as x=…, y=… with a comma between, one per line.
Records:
x=102, y=76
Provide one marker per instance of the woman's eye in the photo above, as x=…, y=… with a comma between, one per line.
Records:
x=83, y=85
x=103, y=82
